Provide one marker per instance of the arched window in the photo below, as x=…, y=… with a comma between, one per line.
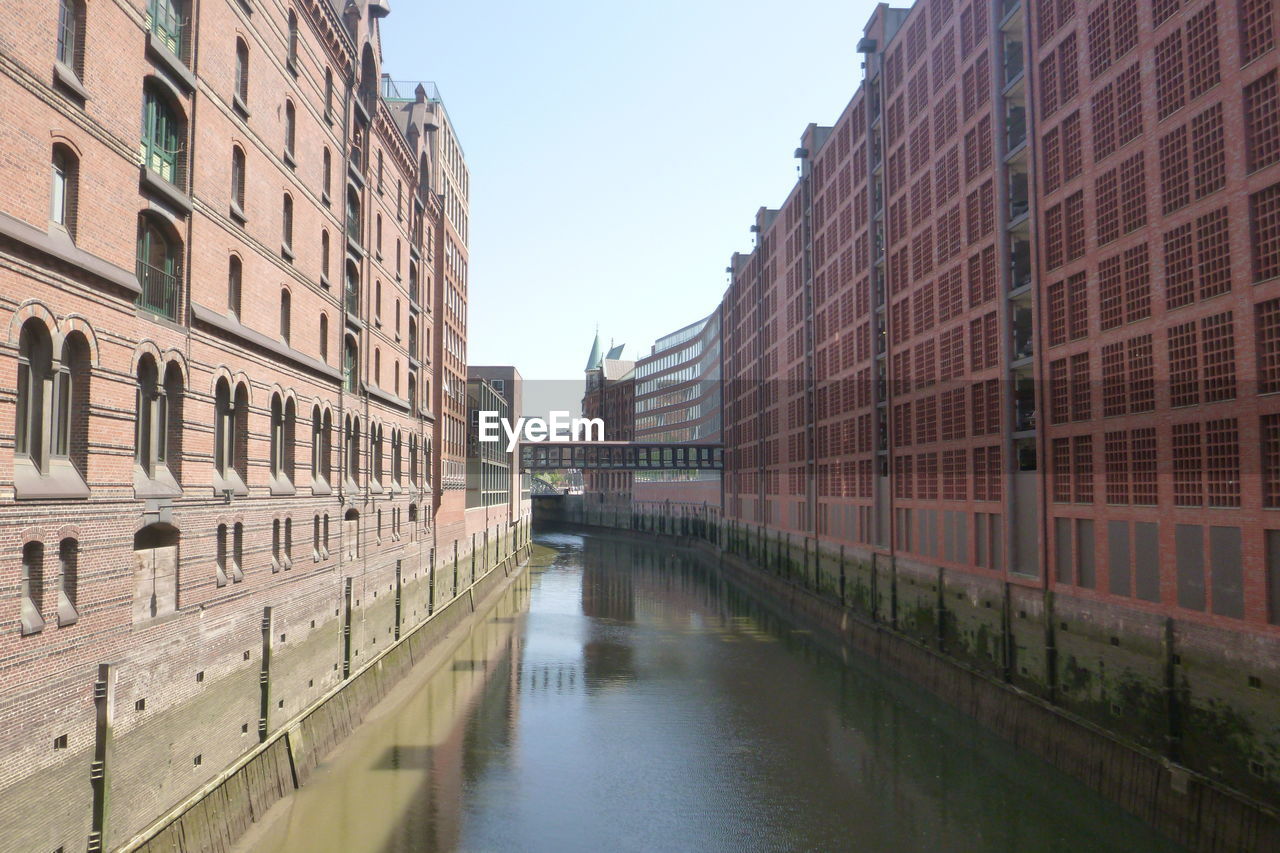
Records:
x=68, y=580
x=242, y=73
x=286, y=310
x=293, y=41
x=71, y=36
x=235, y=272
x=396, y=376
x=223, y=427
x=149, y=415
x=379, y=172
x=413, y=471
x=158, y=421
x=237, y=182
x=170, y=449
x=377, y=300
x=351, y=449
x=237, y=552
x=375, y=452
x=159, y=266
x=231, y=440
x=276, y=562
x=397, y=326
x=283, y=427
x=286, y=226
x=350, y=364
x=35, y=387
x=327, y=170
x=368, y=79
x=399, y=200
x=324, y=255
x=397, y=472
x=321, y=425
x=65, y=193
x=220, y=555
x=352, y=289
x=164, y=132
x=324, y=338
x=290, y=130
x=377, y=367
x=315, y=538
x=378, y=233
x=32, y=591
x=353, y=215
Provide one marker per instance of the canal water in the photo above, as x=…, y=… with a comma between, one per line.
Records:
x=621, y=698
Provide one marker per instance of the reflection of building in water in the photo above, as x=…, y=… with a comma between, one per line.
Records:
x=607, y=592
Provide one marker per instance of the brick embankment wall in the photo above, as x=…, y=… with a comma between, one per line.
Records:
x=213, y=817
x=985, y=650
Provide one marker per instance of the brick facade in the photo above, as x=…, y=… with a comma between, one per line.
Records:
x=287, y=343
x=1012, y=336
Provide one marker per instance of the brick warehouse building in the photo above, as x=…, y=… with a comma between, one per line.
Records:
x=232, y=389
x=1003, y=349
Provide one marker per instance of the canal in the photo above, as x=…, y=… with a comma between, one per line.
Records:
x=619, y=697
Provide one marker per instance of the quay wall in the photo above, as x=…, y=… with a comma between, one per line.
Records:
x=1174, y=722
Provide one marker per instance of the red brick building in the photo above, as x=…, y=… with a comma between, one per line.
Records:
x=232, y=392
x=609, y=395
x=1003, y=343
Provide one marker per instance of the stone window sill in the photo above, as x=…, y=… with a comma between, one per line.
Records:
x=240, y=107
x=167, y=192
x=170, y=62
x=32, y=622
x=320, y=487
x=69, y=81
x=62, y=481
x=238, y=215
x=161, y=484
x=229, y=481
x=286, y=252
x=282, y=486
x=289, y=160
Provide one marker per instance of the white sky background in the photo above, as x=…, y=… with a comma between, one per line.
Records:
x=618, y=154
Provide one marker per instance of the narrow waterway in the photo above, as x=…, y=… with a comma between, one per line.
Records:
x=619, y=697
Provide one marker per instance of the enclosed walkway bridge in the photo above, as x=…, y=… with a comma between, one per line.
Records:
x=619, y=456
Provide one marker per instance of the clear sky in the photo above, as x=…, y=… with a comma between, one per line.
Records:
x=618, y=152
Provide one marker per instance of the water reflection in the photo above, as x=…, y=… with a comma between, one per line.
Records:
x=643, y=703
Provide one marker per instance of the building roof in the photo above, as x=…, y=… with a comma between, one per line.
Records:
x=593, y=360
x=614, y=369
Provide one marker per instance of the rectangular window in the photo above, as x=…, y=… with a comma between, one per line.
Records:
x=1264, y=221
x=1262, y=121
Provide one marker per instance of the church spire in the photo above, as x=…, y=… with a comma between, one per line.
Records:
x=594, y=360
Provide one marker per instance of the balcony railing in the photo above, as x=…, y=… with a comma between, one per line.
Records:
x=159, y=290
x=353, y=300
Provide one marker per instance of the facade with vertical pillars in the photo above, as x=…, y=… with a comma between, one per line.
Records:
x=222, y=445
x=1004, y=347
